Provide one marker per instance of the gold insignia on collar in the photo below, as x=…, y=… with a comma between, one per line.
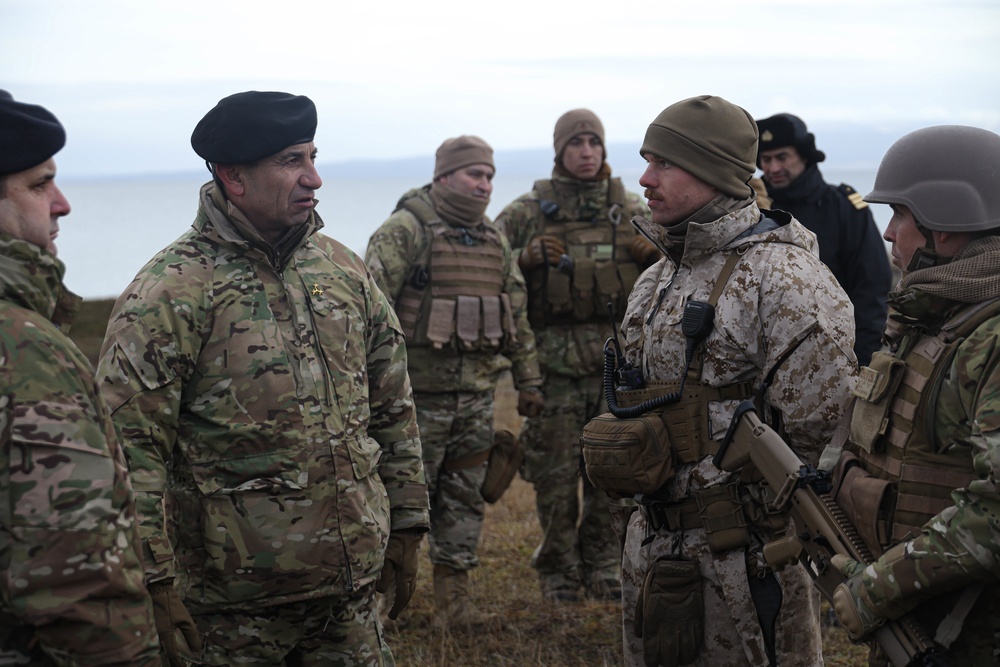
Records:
x=767, y=136
x=316, y=291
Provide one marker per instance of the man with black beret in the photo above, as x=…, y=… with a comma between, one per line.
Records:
x=257, y=376
x=71, y=589
x=739, y=307
x=849, y=241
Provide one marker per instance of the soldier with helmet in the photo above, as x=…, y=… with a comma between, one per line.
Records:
x=848, y=239
x=572, y=237
x=919, y=473
x=460, y=297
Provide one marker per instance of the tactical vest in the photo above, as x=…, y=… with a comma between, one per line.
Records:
x=599, y=268
x=892, y=429
x=454, y=295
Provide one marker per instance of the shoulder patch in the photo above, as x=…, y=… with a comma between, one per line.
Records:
x=853, y=196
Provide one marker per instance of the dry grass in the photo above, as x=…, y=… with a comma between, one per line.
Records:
x=535, y=632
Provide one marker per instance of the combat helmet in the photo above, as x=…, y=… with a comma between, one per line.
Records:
x=947, y=175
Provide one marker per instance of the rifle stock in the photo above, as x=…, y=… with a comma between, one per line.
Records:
x=822, y=530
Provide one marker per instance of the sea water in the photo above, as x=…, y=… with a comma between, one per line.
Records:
x=116, y=226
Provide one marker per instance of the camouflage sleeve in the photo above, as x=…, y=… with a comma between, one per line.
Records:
x=962, y=543
x=391, y=252
x=69, y=554
x=149, y=351
x=522, y=352
x=393, y=417
x=803, y=307
x=517, y=221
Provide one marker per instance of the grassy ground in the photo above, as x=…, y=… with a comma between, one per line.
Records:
x=537, y=633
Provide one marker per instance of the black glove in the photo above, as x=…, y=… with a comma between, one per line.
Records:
x=172, y=616
x=400, y=569
x=544, y=249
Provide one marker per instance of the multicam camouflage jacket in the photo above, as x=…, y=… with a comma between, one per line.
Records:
x=71, y=583
x=940, y=451
x=571, y=349
x=393, y=251
x=262, y=397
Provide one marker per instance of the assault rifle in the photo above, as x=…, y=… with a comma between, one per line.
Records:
x=822, y=528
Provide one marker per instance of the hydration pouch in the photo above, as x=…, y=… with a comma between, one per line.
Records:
x=627, y=456
x=876, y=385
x=670, y=613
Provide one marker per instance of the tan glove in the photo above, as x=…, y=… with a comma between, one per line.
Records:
x=530, y=402
x=171, y=617
x=544, y=249
x=644, y=251
x=850, y=601
x=400, y=569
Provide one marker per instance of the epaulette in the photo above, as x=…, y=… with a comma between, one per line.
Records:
x=853, y=196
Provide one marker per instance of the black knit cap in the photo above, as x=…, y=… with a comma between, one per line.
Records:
x=784, y=129
x=246, y=127
x=29, y=135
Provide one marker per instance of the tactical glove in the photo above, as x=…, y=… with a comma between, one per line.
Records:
x=544, y=249
x=643, y=251
x=171, y=617
x=530, y=402
x=400, y=569
x=851, y=601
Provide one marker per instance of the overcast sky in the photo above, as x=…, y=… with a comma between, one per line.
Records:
x=393, y=78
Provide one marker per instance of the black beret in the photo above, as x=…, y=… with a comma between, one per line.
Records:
x=246, y=127
x=29, y=135
x=784, y=129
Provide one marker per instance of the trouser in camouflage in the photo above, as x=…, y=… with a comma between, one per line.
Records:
x=579, y=546
x=340, y=631
x=454, y=426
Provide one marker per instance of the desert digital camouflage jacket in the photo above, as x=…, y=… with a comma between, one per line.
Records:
x=70, y=574
x=263, y=401
x=393, y=250
x=779, y=295
x=569, y=349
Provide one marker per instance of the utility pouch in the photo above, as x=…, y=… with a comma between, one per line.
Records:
x=722, y=516
x=862, y=498
x=670, y=613
x=583, y=288
x=557, y=292
x=505, y=460
x=627, y=456
x=876, y=385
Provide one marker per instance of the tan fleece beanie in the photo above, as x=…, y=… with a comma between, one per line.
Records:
x=573, y=123
x=460, y=152
x=712, y=139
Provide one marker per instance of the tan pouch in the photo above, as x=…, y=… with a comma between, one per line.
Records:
x=583, y=288
x=492, y=322
x=558, y=292
x=722, y=516
x=627, y=456
x=506, y=458
x=862, y=497
x=876, y=385
x=441, y=323
x=468, y=322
